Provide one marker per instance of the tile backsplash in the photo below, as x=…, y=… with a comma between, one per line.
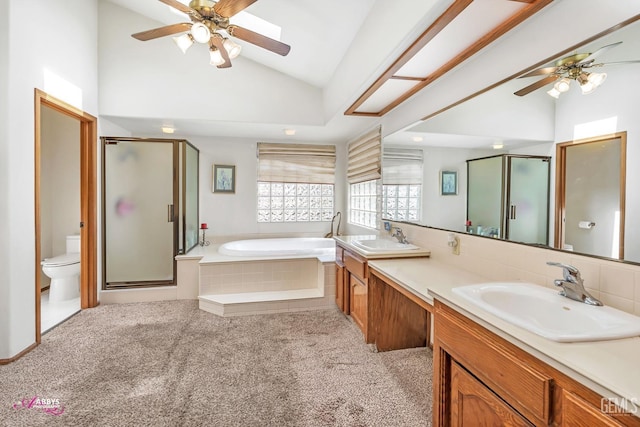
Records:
x=615, y=284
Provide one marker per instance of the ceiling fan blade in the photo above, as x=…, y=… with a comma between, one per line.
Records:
x=540, y=72
x=216, y=42
x=599, y=52
x=182, y=8
x=162, y=31
x=228, y=8
x=536, y=85
x=635, y=61
x=259, y=40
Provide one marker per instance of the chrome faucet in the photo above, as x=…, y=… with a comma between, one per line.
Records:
x=330, y=233
x=572, y=285
x=398, y=234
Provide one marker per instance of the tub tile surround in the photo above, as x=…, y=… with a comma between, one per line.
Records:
x=616, y=284
x=234, y=286
x=258, y=276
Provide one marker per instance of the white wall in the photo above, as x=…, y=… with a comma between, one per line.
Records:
x=449, y=212
x=5, y=245
x=236, y=214
x=30, y=53
x=59, y=183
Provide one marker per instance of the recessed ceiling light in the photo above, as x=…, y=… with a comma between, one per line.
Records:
x=167, y=129
x=290, y=132
x=497, y=146
x=417, y=139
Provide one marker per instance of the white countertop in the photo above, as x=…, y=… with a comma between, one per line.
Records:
x=378, y=254
x=610, y=368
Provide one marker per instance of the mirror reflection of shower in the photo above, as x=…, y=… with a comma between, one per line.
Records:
x=330, y=233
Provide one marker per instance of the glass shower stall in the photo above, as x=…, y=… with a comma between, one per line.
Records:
x=508, y=197
x=149, y=209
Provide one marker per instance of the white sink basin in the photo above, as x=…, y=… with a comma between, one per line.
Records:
x=544, y=312
x=384, y=245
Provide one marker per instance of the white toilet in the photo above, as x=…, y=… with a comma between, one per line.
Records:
x=64, y=271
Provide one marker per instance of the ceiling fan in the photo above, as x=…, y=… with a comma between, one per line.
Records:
x=209, y=19
x=569, y=68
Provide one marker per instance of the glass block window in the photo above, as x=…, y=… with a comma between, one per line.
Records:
x=295, y=202
x=363, y=203
x=401, y=202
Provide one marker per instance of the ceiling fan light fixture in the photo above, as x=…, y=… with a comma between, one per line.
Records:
x=233, y=48
x=586, y=86
x=184, y=42
x=216, y=57
x=562, y=85
x=554, y=92
x=597, y=78
x=200, y=32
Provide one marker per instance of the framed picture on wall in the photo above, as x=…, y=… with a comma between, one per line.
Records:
x=224, y=179
x=448, y=183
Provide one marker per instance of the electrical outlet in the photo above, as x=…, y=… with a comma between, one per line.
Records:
x=454, y=243
x=387, y=226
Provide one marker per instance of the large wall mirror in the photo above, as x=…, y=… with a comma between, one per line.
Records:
x=497, y=122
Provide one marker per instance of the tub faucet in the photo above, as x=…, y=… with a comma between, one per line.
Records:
x=398, y=234
x=330, y=233
x=572, y=284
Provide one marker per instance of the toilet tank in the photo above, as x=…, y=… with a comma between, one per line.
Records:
x=73, y=244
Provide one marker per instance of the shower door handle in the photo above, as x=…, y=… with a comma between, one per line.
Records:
x=169, y=213
x=513, y=212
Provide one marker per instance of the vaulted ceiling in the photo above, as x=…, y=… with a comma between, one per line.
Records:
x=339, y=50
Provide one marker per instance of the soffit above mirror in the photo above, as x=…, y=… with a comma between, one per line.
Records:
x=466, y=27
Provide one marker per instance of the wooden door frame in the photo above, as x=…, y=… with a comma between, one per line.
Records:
x=561, y=173
x=88, y=199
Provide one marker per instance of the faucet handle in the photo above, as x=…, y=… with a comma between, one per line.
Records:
x=567, y=270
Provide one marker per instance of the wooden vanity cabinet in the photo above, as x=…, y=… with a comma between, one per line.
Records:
x=356, y=281
x=482, y=379
x=388, y=315
x=359, y=304
x=342, y=282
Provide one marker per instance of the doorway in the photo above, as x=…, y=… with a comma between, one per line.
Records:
x=48, y=107
x=590, y=195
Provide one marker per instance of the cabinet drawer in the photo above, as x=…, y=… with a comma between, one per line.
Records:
x=497, y=366
x=355, y=265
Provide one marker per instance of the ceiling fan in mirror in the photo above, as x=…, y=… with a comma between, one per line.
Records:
x=210, y=25
x=571, y=68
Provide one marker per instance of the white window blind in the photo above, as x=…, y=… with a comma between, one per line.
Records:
x=296, y=163
x=365, y=157
x=402, y=165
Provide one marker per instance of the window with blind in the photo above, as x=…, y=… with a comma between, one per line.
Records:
x=402, y=183
x=295, y=182
x=363, y=175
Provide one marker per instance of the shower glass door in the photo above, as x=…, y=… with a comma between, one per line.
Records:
x=140, y=226
x=528, y=200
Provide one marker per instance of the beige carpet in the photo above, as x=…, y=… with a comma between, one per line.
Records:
x=170, y=364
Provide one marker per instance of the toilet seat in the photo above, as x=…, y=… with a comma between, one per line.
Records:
x=61, y=260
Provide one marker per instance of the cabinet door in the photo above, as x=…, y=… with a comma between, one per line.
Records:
x=358, y=302
x=577, y=412
x=473, y=404
x=342, y=291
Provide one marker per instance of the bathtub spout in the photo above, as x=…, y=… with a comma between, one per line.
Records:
x=330, y=233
